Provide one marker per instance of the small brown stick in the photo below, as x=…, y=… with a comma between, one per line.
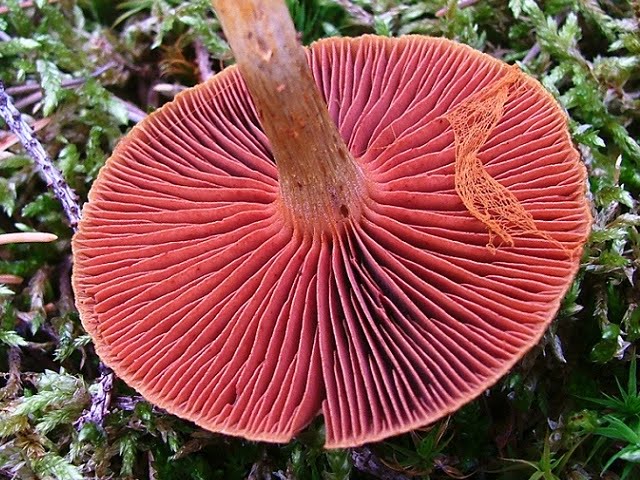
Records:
x=134, y=113
x=8, y=140
x=202, y=60
x=35, y=90
x=14, y=381
x=51, y=175
x=35, y=94
x=23, y=89
x=65, y=303
x=29, y=100
x=127, y=403
x=366, y=461
x=151, y=463
x=461, y=4
x=356, y=12
x=69, y=83
x=36, y=290
x=532, y=54
x=100, y=400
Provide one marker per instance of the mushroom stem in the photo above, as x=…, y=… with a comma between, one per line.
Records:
x=320, y=183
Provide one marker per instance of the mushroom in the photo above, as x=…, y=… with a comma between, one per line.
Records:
x=250, y=257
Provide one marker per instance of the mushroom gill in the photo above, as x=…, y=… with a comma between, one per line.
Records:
x=202, y=293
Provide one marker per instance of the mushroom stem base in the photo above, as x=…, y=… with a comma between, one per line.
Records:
x=320, y=183
x=319, y=203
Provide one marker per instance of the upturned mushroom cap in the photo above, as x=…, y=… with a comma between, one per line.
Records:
x=200, y=293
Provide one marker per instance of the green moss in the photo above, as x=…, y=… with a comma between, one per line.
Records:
x=559, y=414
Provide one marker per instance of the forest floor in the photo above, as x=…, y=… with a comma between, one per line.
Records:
x=83, y=72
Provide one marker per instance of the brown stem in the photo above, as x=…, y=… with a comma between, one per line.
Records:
x=320, y=183
x=65, y=303
x=202, y=60
x=532, y=53
x=356, y=12
x=366, y=461
x=461, y=4
x=13, y=385
x=100, y=400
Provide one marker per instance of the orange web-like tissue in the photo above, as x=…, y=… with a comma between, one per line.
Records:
x=472, y=122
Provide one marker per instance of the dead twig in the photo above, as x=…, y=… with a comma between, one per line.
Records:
x=127, y=403
x=133, y=112
x=532, y=54
x=69, y=83
x=13, y=386
x=29, y=100
x=203, y=60
x=36, y=288
x=50, y=174
x=34, y=92
x=9, y=140
x=65, y=303
x=366, y=461
x=356, y=12
x=100, y=400
x=461, y=4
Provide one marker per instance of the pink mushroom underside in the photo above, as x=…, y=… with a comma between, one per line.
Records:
x=201, y=296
